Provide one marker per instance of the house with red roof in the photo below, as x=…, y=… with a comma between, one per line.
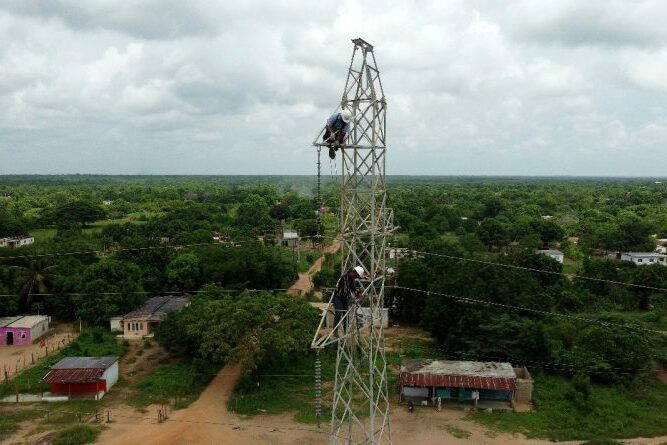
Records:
x=433, y=382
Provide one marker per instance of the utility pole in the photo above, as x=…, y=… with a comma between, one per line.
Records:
x=360, y=406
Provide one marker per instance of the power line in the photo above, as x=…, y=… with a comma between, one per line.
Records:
x=530, y=269
x=527, y=309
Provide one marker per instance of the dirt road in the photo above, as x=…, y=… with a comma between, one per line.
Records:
x=304, y=284
x=206, y=421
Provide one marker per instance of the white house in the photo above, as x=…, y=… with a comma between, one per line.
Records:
x=13, y=242
x=645, y=258
x=555, y=254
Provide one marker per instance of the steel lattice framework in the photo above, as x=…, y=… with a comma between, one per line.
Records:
x=360, y=407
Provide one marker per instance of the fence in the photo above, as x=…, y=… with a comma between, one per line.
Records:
x=48, y=346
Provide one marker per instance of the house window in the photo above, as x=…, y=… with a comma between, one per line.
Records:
x=639, y=260
x=141, y=326
x=22, y=334
x=650, y=260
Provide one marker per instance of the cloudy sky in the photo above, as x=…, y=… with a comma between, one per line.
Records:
x=534, y=87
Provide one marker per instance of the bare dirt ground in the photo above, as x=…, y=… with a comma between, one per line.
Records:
x=207, y=421
x=13, y=357
x=304, y=284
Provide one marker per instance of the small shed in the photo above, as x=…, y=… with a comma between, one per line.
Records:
x=22, y=330
x=552, y=253
x=463, y=381
x=84, y=377
x=289, y=238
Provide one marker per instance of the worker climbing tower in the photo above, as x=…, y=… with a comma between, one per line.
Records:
x=360, y=406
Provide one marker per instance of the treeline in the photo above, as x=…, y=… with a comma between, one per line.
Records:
x=120, y=262
x=498, y=216
x=544, y=320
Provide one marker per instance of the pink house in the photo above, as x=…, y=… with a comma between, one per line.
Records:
x=22, y=329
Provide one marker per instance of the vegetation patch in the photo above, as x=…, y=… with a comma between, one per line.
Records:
x=10, y=419
x=77, y=435
x=457, y=432
x=602, y=442
x=289, y=388
x=178, y=382
x=567, y=410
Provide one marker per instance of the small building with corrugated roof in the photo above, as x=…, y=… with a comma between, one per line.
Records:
x=141, y=322
x=83, y=377
x=436, y=381
x=22, y=329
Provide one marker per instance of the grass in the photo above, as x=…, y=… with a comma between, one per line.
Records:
x=459, y=433
x=77, y=435
x=182, y=382
x=602, y=442
x=255, y=394
x=10, y=419
x=94, y=342
x=608, y=412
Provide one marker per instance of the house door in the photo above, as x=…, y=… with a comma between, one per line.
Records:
x=10, y=338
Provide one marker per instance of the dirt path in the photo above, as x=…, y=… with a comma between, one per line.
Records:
x=206, y=421
x=304, y=284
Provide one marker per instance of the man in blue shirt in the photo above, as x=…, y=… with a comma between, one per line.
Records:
x=337, y=128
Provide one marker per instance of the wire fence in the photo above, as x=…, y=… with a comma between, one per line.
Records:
x=22, y=359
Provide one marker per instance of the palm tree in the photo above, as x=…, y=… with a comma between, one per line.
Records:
x=36, y=275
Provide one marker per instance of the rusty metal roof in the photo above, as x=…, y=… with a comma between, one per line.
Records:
x=79, y=369
x=458, y=374
x=73, y=376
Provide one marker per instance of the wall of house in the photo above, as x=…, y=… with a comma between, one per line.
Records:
x=110, y=376
x=135, y=328
x=22, y=336
x=78, y=388
x=39, y=329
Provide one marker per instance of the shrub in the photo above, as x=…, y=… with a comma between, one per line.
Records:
x=77, y=435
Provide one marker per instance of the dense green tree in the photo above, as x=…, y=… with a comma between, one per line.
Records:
x=253, y=329
x=80, y=212
x=184, y=273
x=110, y=287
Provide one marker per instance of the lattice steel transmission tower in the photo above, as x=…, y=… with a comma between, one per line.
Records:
x=360, y=406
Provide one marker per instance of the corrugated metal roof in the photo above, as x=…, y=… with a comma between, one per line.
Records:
x=158, y=305
x=73, y=376
x=458, y=374
x=450, y=381
x=25, y=321
x=4, y=321
x=85, y=363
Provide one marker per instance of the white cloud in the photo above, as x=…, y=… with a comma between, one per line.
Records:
x=242, y=87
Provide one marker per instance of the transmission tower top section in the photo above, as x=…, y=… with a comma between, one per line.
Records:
x=364, y=96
